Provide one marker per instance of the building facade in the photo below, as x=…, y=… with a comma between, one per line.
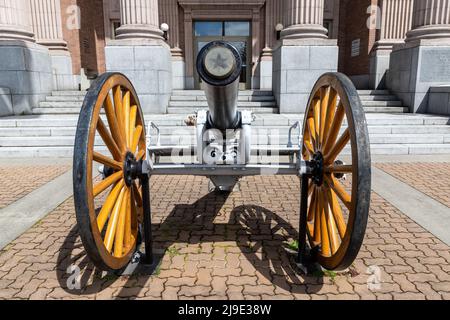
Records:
x=47, y=45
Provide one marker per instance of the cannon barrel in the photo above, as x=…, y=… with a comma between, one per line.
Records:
x=219, y=65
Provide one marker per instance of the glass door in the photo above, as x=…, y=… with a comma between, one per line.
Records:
x=237, y=33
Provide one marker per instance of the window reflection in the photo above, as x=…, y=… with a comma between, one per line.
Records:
x=237, y=28
x=222, y=28
x=208, y=28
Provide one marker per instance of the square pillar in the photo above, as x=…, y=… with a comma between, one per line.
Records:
x=142, y=55
x=25, y=67
x=423, y=61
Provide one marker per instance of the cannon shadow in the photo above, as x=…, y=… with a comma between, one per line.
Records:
x=260, y=234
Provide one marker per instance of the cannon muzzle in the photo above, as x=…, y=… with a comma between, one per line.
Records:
x=219, y=65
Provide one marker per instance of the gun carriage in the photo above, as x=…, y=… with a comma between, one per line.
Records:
x=113, y=208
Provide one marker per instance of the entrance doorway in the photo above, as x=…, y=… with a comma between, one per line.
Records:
x=236, y=33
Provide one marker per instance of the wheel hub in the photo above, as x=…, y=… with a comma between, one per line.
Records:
x=317, y=168
x=130, y=169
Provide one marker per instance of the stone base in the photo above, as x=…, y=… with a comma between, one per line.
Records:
x=63, y=78
x=414, y=68
x=439, y=100
x=297, y=65
x=148, y=65
x=25, y=69
x=178, y=74
x=379, y=66
x=266, y=67
x=6, y=107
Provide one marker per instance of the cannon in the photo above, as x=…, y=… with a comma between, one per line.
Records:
x=332, y=161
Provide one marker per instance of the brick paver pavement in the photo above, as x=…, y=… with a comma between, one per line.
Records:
x=432, y=179
x=18, y=181
x=229, y=248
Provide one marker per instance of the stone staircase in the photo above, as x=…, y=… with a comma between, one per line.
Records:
x=53, y=135
x=189, y=101
x=50, y=131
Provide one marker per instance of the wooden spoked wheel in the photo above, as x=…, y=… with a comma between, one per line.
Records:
x=110, y=132
x=335, y=128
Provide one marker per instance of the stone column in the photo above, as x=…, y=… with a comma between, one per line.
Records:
x=423, y=61
x=304, y=19
x=47, y=26
x=304, y=54
x=25, y=67
x=139, y=19
x=431, y=20
x=140, y=53
x=394, y=20
x=15, y=21
x=169, y=14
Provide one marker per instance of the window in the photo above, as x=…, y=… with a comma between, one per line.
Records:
x=237, y=28
x=221, y=28
x=208, y=28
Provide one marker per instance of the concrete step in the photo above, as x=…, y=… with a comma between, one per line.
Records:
x=70, y=130
x=64, y=98
x=68, y=93
x=241, y=93
x=394, y=103
x=373, y=119
x=204, y=104
x=376, y=149
x=241, y=98
x=183, y=137
x=190, y=110
x=373, y=92
x=378, y=98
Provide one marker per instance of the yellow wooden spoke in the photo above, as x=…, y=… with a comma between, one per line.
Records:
x=339, y=190
x=112, y=223
x=309, y=147
x=117, y=93
x=109, y=141
x=136, y=137
x=331, y=111
x=100, y=158
x=317, y=213
x=324, y=98
x=324, y=236
x=335, y=128
x=137, y=194
x=126, y=116
x=331, y=224
x=312, y=131
x=140, y=154
x=133, y=114
x=337, y=213
x=310, y=188
x=316, y=113
x=113, y=125
x=338, y=147
x=120, y=230
x=338, y=168
x=104, y=184
x=109, y=205
x=131, y=211
x=312, y=205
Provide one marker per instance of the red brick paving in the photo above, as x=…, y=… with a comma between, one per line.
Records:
x=18, y=181
x=229, y=248
x=432, y=179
